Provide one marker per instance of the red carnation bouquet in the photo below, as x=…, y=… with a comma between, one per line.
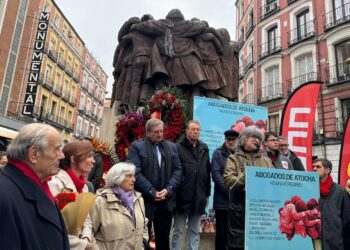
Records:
x=298, y=217
x=172, y=108
x=64, y=198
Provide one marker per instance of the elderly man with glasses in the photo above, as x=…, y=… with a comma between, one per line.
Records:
x=283, y=147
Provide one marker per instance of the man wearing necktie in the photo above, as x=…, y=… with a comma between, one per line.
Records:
x=158, y=174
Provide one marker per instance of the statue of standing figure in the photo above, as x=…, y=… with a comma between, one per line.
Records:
x=187, y=54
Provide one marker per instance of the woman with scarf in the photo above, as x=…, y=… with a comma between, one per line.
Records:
x=72, y=176
x=118, y=215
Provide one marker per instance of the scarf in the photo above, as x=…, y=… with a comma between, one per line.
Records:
x=79, y=183
x=29, y=172
x=127, y=198
x=325, y=187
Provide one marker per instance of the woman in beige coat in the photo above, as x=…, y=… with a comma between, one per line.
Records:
x=118, y=215
x=75, y=167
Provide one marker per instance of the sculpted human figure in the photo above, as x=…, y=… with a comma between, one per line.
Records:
x=131, y=62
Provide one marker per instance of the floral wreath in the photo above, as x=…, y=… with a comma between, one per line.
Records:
x=172, y=110
x=168, y=104
x=128, y=129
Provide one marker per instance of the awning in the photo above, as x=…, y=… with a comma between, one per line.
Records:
x=8, y=133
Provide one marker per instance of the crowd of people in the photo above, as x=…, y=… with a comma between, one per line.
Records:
x=161, y=190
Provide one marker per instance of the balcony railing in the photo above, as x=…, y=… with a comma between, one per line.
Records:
x=58, y=121
x=240, y=41
x=48, y=83
x=73, y=100
x=291, y=1
x=57, y=89
x=66, y=95
x=249, y=28
x=69, y=70
x=338, y=73
x=295, y=82
x=270, y=92
x=301, y=33
x=268, y=9
x=75, y=76
x=53, y=55
x=270, y=47
x=249, y=99
x=337, y=16
x=61, y=62
x=249, y=61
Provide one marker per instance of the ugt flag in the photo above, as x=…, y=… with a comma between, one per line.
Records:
x=344, y=167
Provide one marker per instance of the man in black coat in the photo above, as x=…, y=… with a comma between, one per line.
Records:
x=158, y=174
x=279, y=161
x=194, y=190
x=335, y=209
x=283, y=147
x=221, y=192
x=30, y=218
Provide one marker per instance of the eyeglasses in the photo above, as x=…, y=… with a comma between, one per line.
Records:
x=317, y=166
x=255, y=137
x=283, y=145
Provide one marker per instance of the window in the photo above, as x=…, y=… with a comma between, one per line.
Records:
x=86, y=128
x=342, y=53
x=274, y=123
x=69, y=117
x=48, y=72
x=53, y=107
x=345, y=109
x=43, y=102
x=92, y=130
x=341, y=9
x=82, y=102
x=57, y=21
x=62, y=112
x=79, y=125
x=272, y=88
x=272, y=39
x=304, y=70
x=97, y=134
x=47, y=7
x=303, y=26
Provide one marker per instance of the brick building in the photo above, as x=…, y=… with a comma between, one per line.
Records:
x=41, y=71
x=284, y=43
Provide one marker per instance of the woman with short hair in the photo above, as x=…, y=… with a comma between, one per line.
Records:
x=118, y=215
x=247, y=154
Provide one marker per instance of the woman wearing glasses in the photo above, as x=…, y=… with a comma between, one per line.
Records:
x=247, y=154
x=118, y=215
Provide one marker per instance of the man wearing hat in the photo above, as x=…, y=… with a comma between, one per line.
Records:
x=221, y=193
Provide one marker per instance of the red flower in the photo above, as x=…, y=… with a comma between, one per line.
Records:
x=64, y=198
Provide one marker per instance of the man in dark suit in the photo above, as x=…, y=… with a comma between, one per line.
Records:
x=30, y=217
x=158, y=174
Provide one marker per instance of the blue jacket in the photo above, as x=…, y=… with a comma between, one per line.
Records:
x=29, y=219
x=146, y=179
x=221, y=192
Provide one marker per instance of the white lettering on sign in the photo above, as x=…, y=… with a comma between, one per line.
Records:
x=293, y=113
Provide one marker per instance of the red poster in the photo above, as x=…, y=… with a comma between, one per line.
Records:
x=298, y=118
x=344, y=159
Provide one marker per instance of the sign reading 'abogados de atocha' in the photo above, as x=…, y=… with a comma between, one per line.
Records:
x=188, y=54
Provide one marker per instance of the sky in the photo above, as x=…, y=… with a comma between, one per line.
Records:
x=98, y=21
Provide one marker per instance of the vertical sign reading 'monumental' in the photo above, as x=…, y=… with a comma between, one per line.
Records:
x=37, y=57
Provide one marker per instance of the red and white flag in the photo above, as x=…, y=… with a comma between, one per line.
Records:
x=298, y=119
x=344, y=158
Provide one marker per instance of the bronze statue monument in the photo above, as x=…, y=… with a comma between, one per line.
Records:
x=188, y=54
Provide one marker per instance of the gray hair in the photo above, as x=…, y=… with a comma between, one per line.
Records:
x=192, y=121
x=33, y=134
x=152, y=123
x=116, y=174
x=282, y=138
x=247, y=132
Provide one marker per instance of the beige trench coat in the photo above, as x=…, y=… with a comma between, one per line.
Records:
x=112, y=223
x=57, y=184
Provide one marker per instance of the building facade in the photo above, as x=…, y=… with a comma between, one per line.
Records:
x=285, y=43
x=43, y=64
x=92, y=95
